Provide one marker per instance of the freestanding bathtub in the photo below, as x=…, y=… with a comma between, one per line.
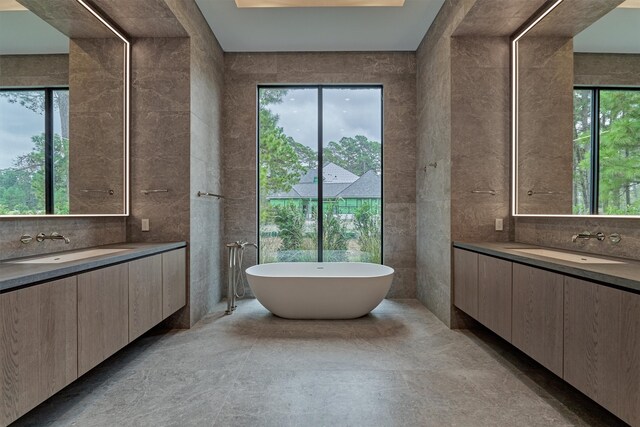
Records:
x=315, y=290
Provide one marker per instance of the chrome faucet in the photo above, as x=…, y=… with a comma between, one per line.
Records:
x=586, y=235
x=236, y=273
x=241, y=244
x=41, y=237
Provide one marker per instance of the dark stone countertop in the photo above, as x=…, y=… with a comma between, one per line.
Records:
x=13, y=276
x=623, y=276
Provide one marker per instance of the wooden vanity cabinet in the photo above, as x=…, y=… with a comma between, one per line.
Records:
x=145, y=295
x=585, y=332
x=174, y=285
x=602, y=345
x=537, y=322
x=465, y=293
x=52, y=333
x=494, y=295
x=103, y=314
x=482, y=289
x=629, y=388
x=38, y=345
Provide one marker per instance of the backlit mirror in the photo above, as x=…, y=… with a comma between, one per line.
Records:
x=64, y=93
x=576, y=110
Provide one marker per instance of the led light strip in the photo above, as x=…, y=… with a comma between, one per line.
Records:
x=318, y=3
x=514, y=107
x=127, y=95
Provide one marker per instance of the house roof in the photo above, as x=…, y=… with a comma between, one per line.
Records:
x=367, y=186
x=331, y=174
x=338, y=182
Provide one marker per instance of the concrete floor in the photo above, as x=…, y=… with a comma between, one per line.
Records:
x=398, y=366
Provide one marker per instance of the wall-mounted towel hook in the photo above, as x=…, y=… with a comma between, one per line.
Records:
x=532, y=192
x=154, y=191
x=89, y=190
x=492, y=192
x=432, y=165
x=206, y=193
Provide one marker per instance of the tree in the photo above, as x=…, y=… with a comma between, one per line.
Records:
x=619, y=151
x=356, y=154
x=581, y=151
x=280, y=167
x=306, y=156
x=22, y=186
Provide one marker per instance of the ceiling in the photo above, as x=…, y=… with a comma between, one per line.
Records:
x=616, y=32
x=22, y=32
x=319, y=28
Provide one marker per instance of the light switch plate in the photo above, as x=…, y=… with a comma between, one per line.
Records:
x=499, y=224
x=145, y=224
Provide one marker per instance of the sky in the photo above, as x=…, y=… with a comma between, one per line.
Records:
x=347, y=112
x=17, y=125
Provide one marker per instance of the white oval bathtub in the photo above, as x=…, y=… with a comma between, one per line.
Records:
x=314, y=290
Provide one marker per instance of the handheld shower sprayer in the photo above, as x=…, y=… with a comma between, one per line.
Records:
x=235, y=273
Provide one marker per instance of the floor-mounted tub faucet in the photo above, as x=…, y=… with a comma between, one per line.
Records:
x=236, y=275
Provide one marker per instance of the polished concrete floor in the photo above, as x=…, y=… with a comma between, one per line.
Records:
x=398, y=366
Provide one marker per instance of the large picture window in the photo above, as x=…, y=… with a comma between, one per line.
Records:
x=606, y=151
x=34, y=131
x=320, y=173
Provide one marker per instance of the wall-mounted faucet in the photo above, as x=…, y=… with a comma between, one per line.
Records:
x=586, y=235
x=41, y=237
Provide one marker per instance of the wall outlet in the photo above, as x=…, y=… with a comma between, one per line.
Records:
x=499, y=224
x=145, y=224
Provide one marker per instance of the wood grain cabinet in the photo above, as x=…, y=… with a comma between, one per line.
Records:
x=465, y=292
x=629, y=390
x=537, y=322
x=52, y=333
x=38, y=345
x=494, y=295
x=602, y=346
x=103, y=314
x=585, y=332
x=174, y=286
x=145, y=295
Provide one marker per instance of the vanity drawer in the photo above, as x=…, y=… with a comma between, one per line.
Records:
x=494, y=295
x=602, y=346
x=38, y=351
x=537, y=315
x=103, y=314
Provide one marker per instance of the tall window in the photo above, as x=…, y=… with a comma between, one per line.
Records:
x=606, y=151
x=320, y=173
x=34, y=131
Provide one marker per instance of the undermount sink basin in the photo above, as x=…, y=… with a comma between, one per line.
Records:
x=580, y=259
x=73, y=256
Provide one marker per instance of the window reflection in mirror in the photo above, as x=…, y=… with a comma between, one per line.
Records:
x=22, y=169
x=582, y=119
x=577, y=95
x=619, y=152
x=63, y=112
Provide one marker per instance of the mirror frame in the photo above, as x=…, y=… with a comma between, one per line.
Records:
x=126, y=122
x=546, y=9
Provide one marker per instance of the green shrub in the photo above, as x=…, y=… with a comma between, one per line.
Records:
x=290, y=222
x=369, y=229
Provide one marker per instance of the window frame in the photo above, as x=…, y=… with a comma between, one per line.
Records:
x=319, y=88
x=594, y=173
x=49, y=203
